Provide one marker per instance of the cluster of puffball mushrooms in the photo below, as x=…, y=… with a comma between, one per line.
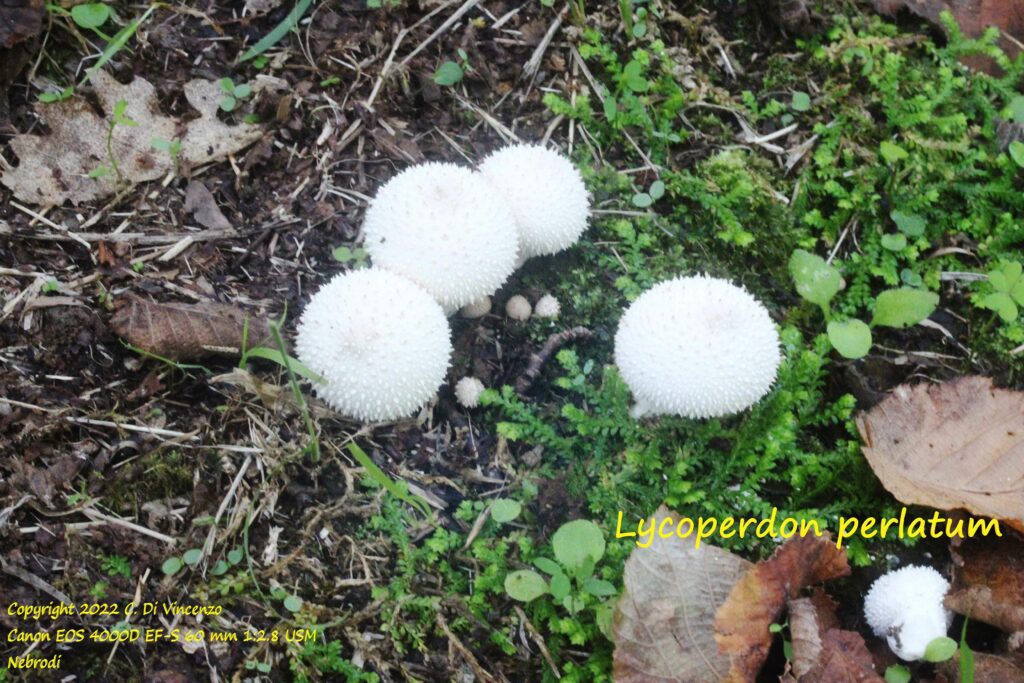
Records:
x=443, y=238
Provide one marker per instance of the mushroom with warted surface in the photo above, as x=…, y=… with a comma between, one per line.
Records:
x=443, y=227
x=696, y=347
x=545, y=193
x=380, y=343
x=905, y=608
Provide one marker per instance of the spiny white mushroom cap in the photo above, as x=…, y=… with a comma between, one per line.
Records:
x=477, y=309
x=380, y=343
x=518, y=308
x=697, y=347
x=468, y=390
x=546, y=194
x=905, y=607
x=547, y=307
x=444, y=228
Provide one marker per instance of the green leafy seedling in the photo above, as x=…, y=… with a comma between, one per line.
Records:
x=1008, y=294
x=233, y=93
x=851, y=338
x=504, y=510
x=897, y=673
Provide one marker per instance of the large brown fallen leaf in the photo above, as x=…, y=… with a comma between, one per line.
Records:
x=700, y=615
x=187, y=331
x=987, y=669
x=664, y=621
x=823, y=653
x=55, y=168
x=988, y=580
x=955, y=445
x=973, y=17
x=759, y=598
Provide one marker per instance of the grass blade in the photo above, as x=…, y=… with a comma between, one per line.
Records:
x=379, y=476
x=279, y=32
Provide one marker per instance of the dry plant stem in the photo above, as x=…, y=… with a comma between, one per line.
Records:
x=539, y=641
x=539, y=358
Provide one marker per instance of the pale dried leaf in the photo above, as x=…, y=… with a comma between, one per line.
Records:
x=187, y=331
x=664, y=620
x=955, y=445
x=54, y=168
x=199, y=201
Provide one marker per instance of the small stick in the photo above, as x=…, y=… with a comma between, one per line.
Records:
x=539, y=358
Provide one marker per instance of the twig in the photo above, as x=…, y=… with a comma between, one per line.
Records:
x=536, y=637
x=463, y=650
x=539, y=358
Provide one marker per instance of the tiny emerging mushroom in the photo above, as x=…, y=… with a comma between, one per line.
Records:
x=546, y=194
x=547, y=307
x=467, y=392
x=380, y=344
x=696, y=347
x=476, y=309
x=518, y=308
x=443, y=227
x=905, y=608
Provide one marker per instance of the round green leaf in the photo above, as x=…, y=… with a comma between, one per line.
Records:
x=293, y=603
x=656, y=190
x=910, y=224
x=504, y=510
x=599, y=587
x=642, y=200
x=91, y=15
x=546, y=565
x=242, y=91
x=904, y=307
x=525, y=585
x=228, y=103
x=220, y=568
x=816, y=281
x=611, y=108
x=560, y=586
x=192, y=557
x=940, y=649
x=894, y=241
x=639, y=30
x=171, y=566
x=448, y=73
x=575, y=541
x=897, y=674
x=891, y=152
x=1016, y=150
x=235, y=556
x=851, y=338
x=801, y=101
x=1002, y=304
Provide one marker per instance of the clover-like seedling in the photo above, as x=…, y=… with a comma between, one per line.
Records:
x=818, y=281
x=1008, y=291
x=233, y=93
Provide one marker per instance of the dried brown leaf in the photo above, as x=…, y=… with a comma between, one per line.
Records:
x=955, y=445
x=822, y=654
x=55, y=168
x=758, y=599
x=986, y=586
x=973, y=17
x=19, y=21
x=987, y=669
x=187, y=331
x=199, y=201
x=664, y=620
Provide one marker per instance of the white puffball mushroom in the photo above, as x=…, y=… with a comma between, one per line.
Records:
x=696, y=347
x=477, y=309
x=546, y=194
x=380, y=343
x=518, y=308
x=467, y=392
x=444, y=228
x=905, y=607
x=547, y=307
